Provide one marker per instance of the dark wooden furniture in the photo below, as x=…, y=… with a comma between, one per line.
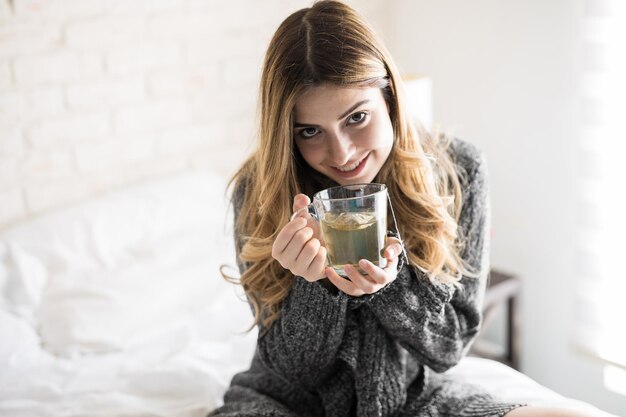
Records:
x=503, y=293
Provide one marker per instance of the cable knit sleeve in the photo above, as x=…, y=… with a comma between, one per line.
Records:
x=301, y=345
x=436, y=322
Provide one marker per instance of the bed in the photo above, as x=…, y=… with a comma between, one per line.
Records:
x=115, y=307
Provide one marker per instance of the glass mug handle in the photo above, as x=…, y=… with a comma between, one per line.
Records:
x=310, y=208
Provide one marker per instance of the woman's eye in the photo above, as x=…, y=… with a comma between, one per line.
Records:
x=308, y=132
x=357, y=117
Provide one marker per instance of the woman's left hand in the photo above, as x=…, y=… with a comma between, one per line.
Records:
x=376, y=277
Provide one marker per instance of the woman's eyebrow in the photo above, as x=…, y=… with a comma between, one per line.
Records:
x=357, y=104
x=344, y=114
x=304, y=125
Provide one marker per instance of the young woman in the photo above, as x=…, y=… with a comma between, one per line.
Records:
x=374, y=344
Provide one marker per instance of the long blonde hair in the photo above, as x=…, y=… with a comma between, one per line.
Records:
x=330, y=43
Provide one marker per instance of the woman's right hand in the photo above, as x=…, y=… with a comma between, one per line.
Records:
x=297, y=246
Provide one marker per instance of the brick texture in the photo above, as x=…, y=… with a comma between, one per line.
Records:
x=97, y=94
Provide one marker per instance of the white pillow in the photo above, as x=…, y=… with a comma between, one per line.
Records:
x=107, y=274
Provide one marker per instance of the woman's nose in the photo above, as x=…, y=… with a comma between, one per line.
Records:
x=341, y=149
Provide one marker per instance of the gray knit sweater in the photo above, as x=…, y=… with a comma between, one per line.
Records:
x=330, y=354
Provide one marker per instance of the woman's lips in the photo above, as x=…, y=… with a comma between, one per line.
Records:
x=356, y=171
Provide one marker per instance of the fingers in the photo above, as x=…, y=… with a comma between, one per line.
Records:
x=296, y=249
x=286, y=234
x=375, y=274
x=392, y=253
x=300, y=201
x=358, y=284
x=309, y=250
x=342, y=284
x=319, y=262
x=393, y=249
x=362, y=282
x=297, y=244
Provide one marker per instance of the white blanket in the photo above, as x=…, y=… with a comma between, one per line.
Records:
x=116, y=307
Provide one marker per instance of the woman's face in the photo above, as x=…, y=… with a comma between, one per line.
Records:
x=344, y=133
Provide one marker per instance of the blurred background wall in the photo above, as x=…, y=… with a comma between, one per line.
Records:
x=507, y=76
x=97, y=94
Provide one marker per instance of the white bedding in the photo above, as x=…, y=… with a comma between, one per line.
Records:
x=116, y=307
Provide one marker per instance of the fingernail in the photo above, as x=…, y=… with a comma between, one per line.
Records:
x=391, y=252
x=363, y=263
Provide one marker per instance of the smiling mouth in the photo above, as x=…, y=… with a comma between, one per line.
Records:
x=351, y=167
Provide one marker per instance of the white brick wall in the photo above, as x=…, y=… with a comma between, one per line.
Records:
x=96, y=94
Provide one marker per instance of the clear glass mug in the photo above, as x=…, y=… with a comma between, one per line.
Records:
x=353, y=224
